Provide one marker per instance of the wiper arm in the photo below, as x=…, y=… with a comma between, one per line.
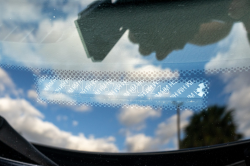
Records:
x=11, y=138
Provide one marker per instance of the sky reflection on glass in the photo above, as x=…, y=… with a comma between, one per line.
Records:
x=172, y=42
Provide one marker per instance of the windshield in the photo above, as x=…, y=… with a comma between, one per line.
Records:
x=126, y=76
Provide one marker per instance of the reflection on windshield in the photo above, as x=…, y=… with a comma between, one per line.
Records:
x=210, y=127
x=159, y=27
x=126, y=76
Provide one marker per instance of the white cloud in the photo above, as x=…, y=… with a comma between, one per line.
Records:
x=167, y=130
x=63, y=98
x=5, y=81
x=61, y=118
x=32, y=11
x=82, y=108
x=20, y=106
x=165, y=133
x=28, y=120
x=235, y=52
x=59, y=97
x=237, y=55
x=69, y=54
x=7, y=86
x=135, y=115
x=238, y=87
x=140, y=142
x=74, y=4
x=32, y=94
x=75, y=123
x=27, y=11
x=22, y=10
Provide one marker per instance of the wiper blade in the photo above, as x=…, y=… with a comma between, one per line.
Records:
x=11, y=138
x=5, y=162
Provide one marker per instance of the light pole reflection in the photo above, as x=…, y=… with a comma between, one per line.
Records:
x=178, y=105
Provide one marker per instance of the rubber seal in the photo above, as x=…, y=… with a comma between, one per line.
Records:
x=1, y=121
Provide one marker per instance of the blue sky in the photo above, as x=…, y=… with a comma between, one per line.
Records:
x=98, y=128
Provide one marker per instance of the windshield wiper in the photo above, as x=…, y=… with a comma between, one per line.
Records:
x=14, y=140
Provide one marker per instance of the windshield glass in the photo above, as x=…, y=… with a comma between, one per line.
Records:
x=126, y=76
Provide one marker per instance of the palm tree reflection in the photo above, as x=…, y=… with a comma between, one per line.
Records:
x=210, y=127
